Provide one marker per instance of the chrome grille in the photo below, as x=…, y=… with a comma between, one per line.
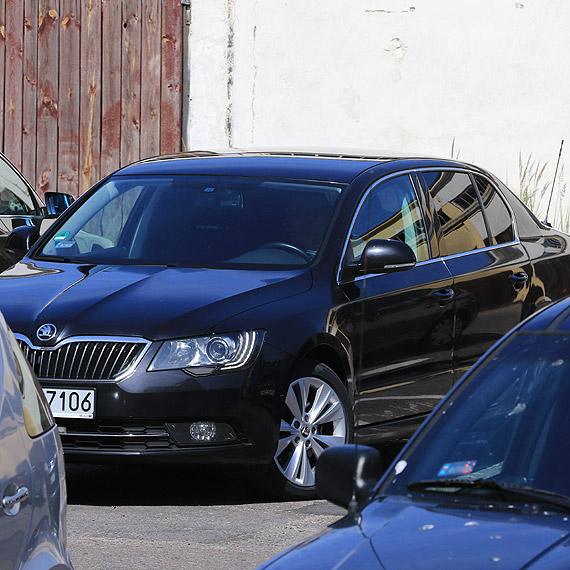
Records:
x=85, y=359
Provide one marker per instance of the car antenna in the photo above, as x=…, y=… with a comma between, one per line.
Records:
x=546, y=222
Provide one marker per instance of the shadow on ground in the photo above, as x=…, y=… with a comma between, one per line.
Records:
x=147, y=485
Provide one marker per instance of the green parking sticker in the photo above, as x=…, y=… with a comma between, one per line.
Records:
x=61, y=236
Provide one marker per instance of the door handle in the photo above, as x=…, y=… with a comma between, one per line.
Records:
x=443, y=295
x=11, y=503
x=518, y=280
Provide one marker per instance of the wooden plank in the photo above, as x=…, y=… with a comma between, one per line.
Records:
x=68, y=116
x=46, y=166
x=13, y=87
x=30, y=92
x=150, y=79
x=171, y=84
x=90, y=100
x=111, y=87
x=131, y=88
x=2, y=68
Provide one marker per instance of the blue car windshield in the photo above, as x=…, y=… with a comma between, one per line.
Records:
x=197, y=221
x=508, y=424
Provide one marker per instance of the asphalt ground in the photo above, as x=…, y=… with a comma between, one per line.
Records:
x=175, y=517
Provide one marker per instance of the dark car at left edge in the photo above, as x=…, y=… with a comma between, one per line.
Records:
x=20, y=205
x=244, y=306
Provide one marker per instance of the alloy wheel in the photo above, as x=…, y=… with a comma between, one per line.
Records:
x=313, y=420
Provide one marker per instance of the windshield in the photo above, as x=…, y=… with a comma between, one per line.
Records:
x=197, y=221
x=508, y=424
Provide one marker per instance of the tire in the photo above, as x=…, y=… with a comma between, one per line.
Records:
x=316, y=414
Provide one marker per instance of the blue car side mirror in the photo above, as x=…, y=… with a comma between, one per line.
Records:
x=348, y=473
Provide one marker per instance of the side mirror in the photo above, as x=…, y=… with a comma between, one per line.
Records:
x=57, y=202
x=21, y=239
x=386, y=256
x=345, y=472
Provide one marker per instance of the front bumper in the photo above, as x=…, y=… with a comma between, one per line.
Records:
x=147, y=416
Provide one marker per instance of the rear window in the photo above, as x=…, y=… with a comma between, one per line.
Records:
x=498, y=215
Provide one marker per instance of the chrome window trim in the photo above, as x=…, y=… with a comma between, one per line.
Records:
x=409, y=172
x=117, y=339
x=438, y=259
x=489, y=248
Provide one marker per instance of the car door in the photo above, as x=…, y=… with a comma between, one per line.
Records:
x=18, y=206
x=16, y=476
x=400, y=324
x=489, y=265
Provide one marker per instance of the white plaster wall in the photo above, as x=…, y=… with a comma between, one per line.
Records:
x=489, y=77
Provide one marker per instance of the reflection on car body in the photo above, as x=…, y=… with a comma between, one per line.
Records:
x=33, y=531
x=244, y=306
x=483, y=483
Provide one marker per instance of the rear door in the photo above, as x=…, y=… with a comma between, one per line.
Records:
x=490, y=267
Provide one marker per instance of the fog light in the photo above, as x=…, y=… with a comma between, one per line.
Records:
x=203, y=431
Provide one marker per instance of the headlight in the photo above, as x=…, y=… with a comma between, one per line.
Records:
x=206, y=354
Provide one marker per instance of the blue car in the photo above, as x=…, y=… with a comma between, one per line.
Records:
x=32, y=476
x=485, y=481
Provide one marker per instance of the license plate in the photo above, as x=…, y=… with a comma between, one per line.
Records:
x=71, y=402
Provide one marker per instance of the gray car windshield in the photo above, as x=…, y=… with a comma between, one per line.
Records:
x=505, y=432
x=197, y=221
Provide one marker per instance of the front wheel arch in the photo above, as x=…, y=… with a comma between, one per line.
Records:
x=316, y=414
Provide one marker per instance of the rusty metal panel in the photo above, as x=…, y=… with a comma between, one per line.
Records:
x=150, y=79
x=90, y=104
x=111, y=86
x=131, y=78
x=48, y=87
x=68, y=116
x=30, y=92
x=13, y=76
x=171, y=97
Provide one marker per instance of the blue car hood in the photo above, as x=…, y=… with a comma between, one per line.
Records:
x=399, y=534
x=143, y=301
x=407, y=534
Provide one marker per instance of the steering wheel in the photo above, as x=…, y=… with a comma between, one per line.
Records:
x=288, y=248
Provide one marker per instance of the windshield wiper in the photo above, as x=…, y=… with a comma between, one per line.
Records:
x=507, y=489
x=59, y=258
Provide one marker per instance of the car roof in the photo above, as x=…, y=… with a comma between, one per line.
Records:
x=323, y=165
x=554, y=319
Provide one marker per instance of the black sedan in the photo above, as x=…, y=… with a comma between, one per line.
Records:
x=245, y=307
x=482, y=484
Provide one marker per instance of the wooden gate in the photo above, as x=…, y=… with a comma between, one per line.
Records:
x=87, y=86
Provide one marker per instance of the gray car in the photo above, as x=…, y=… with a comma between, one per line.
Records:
x=33, y=530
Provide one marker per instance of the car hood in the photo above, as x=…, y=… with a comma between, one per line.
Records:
x=142, y=301
x=406, y=534
x=399, y=534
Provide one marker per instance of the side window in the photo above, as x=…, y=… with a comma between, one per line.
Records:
x=458, y=211
x=13, y=204
x=391, y=211
x=497, y=213
x=15, y=197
